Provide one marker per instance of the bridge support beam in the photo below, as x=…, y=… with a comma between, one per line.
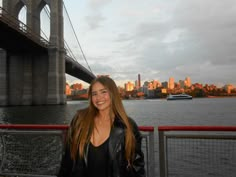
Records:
x=56, y=77
x=23, y=79
x=27, y=80
x=56, y=52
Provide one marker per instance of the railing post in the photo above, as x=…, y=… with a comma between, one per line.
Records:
x=151, y=155
x=162, y=155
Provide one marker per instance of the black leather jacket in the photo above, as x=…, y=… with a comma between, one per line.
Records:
x=118, y=166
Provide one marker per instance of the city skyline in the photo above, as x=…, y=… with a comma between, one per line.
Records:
x=139, y=76
x=158, y=89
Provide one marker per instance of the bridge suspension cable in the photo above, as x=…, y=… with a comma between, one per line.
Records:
x=70, y=53
x=77, y=38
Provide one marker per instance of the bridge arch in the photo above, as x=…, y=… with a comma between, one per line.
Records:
x=22, y=16
x=45, y=21
x=18, y=7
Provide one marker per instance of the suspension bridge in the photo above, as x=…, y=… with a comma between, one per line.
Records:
x=32, y=64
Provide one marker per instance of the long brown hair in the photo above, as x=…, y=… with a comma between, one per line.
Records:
x=83, y=123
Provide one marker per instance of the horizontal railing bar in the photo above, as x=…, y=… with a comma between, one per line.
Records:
x=146, y=128
x=24, y=175
x=197, y=128
x=184, y=136
x=33, y=126
x=141, y=128
x=34, y=132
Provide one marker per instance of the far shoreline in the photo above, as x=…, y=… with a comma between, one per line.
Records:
x=70, y=99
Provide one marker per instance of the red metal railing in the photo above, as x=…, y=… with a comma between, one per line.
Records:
x=33, y=126
x=22, y=145
x=211, y=150
x=56, y=127
x=197, y=128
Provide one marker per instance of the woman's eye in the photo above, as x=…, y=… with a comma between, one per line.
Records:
x=104, y=91
x=94, y=94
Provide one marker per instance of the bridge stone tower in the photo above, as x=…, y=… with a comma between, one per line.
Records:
x=35, y=79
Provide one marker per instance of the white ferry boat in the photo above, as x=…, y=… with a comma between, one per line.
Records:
x=182, y=96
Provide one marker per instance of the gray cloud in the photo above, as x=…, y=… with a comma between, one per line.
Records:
x=94, y=21
x=98, y=4
x=95, y=17
x=208, y=36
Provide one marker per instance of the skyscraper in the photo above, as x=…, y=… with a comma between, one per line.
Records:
x=188, y=81
x=171, y=83
x=139, y=80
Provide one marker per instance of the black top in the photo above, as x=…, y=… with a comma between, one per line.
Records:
x=98, y=160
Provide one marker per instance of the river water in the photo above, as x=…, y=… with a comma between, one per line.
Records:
x=148, y=112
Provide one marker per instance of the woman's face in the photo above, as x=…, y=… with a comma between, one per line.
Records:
x=101, y=97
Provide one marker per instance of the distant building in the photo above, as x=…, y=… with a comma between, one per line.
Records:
x=129, y=86
x=68, y=89
x=151, y=93
x=139, y=81
x=136, y=85
x=77, y=86
x=196, y=86
x=79, y=92
x=148, y=85
x=161, y=92
x=228, y=88
x=181, y=83
x=145, y=89
x=156, y=84
x=188, y=82
x=164, y=84
x=171, y=84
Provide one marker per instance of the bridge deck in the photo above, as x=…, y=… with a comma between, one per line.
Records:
x=16, y=37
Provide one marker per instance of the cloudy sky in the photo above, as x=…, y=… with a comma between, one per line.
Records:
x=157, y=38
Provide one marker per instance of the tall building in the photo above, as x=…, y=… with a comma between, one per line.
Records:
x=139, y=80
x=181, y=83
x=129, y=86
x=68, y=89
x=171, y=84
x=188, y=82
x=136, y=84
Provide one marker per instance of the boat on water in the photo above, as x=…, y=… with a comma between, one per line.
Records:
x=182, y=96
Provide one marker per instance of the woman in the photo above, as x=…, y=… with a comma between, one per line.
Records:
x=102, y=140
